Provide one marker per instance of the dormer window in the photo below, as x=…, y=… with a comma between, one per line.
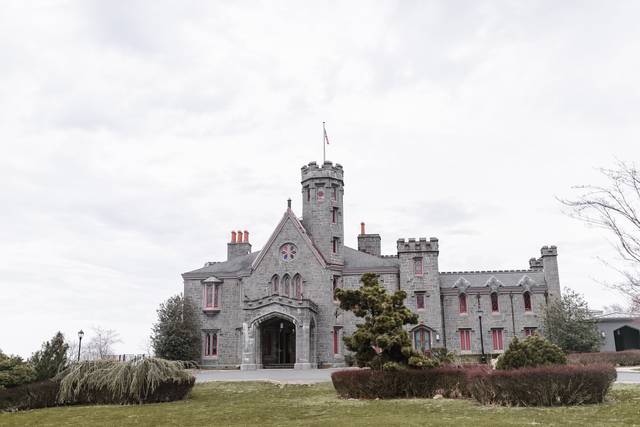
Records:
x=495, y=308
x=211, y=294
x=462, y=303
x=527, y=301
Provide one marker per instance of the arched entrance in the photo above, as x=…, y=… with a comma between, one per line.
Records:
x=627, y=338
x=278, y=343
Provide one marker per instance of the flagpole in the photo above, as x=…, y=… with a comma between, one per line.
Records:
x=324, y=148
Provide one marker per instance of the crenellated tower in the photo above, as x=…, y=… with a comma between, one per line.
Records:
x=322, y=204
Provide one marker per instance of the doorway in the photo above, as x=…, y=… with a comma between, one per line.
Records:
x=627, y=338
x=278, y=343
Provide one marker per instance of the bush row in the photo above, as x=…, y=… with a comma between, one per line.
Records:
x=619, y=358
x=542, y=386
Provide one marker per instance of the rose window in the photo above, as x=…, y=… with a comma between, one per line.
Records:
x=288, y=251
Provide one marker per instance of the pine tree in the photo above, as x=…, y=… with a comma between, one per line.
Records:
x=51, y=359
x=176, y=335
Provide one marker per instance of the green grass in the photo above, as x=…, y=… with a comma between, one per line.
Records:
x=269, y=404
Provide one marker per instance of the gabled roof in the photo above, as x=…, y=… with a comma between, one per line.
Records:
x=362, y=262
x=289, y=215
x=239, y=266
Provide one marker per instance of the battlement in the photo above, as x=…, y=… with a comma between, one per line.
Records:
x=535, y=264
x=327, y=170
x=484, y=272
x=419, y=245
x=549, y=251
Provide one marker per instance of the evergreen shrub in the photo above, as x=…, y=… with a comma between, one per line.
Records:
x=531, y=352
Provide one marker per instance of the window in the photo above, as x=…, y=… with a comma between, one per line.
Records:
x=320, y=195
x=527, y=301
x=286, y=285
x=210, y=344
x=211, y=296
x=465, y=340
x=334, y=215
x=288, y=251
x=421, y=340
x=529, y=331
x=420, y=301
x=336, y=285
x=334, y=193
x=308, y=194
x=336, y=339
x=334, y=246
x=417, y=266
x=494, y=302
x=462, y=303
x=496, y=335
x=297, y=284
x=275, y=284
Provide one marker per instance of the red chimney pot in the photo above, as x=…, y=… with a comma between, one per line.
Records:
x=362, y=228
x=239, y=236
x=246, y=236
x=233, y=237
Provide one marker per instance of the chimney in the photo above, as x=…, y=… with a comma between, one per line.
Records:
x=238, y=246
x=369, y=243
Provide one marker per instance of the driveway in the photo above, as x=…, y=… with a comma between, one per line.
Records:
x=310, y=376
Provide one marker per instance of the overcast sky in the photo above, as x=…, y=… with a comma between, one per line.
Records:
x=136, y=135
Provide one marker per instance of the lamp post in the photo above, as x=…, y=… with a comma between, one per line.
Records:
x=483, y=357
x=80, y=335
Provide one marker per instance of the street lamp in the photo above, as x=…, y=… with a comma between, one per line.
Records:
x=483, y=358
x=80, y=335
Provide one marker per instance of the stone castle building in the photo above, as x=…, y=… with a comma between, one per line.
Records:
x=275, y=307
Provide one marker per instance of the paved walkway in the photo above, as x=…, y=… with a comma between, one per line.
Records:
x=310, y=376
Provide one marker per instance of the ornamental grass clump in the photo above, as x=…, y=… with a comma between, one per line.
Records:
x=137, y=381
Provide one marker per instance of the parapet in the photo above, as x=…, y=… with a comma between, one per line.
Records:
x=328, y=170
x=535, y=263
x=549, y=251
x=419, y=245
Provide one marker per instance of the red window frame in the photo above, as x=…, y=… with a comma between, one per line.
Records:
x=334, y=193
x=462, y=303
x=334, y=215
x=210, y=344
x=465, y=340
x=527, y=300
x=208, y=296
x=495, y=306
x=418, y=266
x=216, y=296
x=420, y=301
x=497, y=337
x=421, y=339
x=336, y=339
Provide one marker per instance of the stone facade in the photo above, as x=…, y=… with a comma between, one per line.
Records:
x=276, y=306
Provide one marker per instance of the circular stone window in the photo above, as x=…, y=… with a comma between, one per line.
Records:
x=288, y=251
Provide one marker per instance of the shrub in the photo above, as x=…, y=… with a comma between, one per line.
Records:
x=620, y=358
x=40, y=394
x=543, y=386
x=14, y=371
x=531, y=352
x=137, y=381
x=402, y=383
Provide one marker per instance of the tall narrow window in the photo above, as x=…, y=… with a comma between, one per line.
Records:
x=308, y=194
x=210, y=344
x=529, y=331
x=417, y=266
x=527, y=301
x=420, y=301
x=286, y=285
x=275, y=284
x=336, y=285
x=462, y=303
x=494, y=302
x=421, y=339
x=334, y=246
x=336, y=339
x=320, y=195
x=496, y=335
x=216, y=296
x=297, y=284
x=334, y=193
x=334, y=215
x=465, y=340
x=208, y=296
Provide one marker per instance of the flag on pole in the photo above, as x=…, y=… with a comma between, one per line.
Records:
x=326, y=138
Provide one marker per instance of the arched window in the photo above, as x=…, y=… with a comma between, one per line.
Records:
x=421, y=340
x=275, y=284
x=462, y=303
x=286, y=285
x=297, y=285
x=527, y=301
x=494, y=302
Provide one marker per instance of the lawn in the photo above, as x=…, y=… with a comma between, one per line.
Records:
x=270, y=404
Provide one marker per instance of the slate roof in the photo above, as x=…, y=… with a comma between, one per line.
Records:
x=361, y=262
x=238, y=266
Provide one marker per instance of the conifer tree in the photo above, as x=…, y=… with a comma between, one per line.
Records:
x=176, y=335
x=51, y=359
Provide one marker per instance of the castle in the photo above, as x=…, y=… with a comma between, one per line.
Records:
x=276, y=307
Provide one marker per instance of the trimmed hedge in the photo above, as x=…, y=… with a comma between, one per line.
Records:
x=543, y=386
x=619, y=358
x=41, y=394
x=404, y=383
